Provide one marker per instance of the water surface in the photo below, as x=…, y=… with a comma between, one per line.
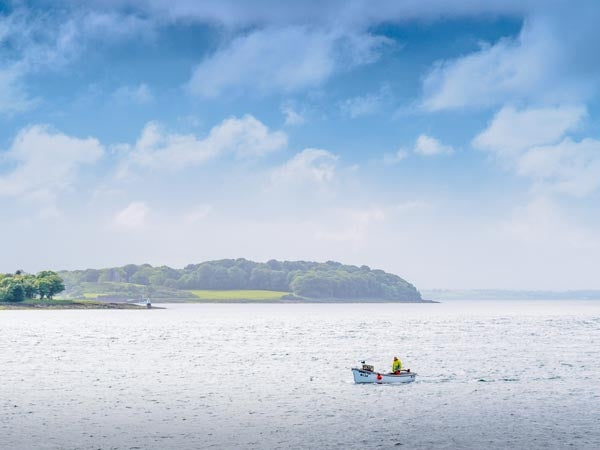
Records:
x=491, y=375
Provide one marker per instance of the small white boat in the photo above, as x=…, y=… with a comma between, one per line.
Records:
x=369, y=376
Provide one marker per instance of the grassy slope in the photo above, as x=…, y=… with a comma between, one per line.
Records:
x=238, y=295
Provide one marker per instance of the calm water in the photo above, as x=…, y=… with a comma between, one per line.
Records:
x=491, y=375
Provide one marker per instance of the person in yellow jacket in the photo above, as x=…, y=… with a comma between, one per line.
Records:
x=396, y=365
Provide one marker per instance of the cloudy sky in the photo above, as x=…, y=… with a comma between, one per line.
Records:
x=456, y=144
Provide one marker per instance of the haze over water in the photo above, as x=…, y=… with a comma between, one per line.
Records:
x=490, y=375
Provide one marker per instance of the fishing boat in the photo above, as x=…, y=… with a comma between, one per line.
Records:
x=367, y=375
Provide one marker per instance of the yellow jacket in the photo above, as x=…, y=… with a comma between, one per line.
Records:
x=396, y=365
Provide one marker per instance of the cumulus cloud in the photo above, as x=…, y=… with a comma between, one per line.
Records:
x=512, y=130
x=487, y=77
x=282, y=59
x=156, y=148
x=532, y=142
x=310, y=165
x=42, y=162
x=132, y=217
x=430, y=146
x=424, y=146
x=303, y=45
x=543, y=64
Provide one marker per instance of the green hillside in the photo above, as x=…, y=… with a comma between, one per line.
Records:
x=287, y=279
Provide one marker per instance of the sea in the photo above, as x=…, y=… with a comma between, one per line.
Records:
x=490, y=375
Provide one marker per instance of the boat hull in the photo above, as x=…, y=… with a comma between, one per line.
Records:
x=365, y=376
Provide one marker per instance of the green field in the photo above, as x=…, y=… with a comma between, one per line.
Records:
x=238, y=295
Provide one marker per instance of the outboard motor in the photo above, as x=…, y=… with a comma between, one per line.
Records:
x=367, y=367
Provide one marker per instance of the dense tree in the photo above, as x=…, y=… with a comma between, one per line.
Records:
x=21, y=286
x=11, y=289
x=237, y=278
x=140, y=278
x=91, y=275
x=49, y=284
x=29, y=285
x=304, y=278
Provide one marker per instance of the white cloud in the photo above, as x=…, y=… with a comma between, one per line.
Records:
x=140, y=94
x=246, y=137
x=292, y=117
x=112, y=26
x=429, y=146
x=310, y=165
x=567, y=167
x=32, y=41
x=132, y=217
x=424, y=145
x=532, y=142
x=513, y=130
x=282, y=59
x=43, y=162
x=484, y=78
x=543, y=65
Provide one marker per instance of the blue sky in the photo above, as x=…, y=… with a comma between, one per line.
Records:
x=453, y=143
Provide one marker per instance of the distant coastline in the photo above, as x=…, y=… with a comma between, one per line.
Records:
x=507, y=294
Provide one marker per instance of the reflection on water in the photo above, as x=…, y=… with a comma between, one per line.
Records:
x=491, y=375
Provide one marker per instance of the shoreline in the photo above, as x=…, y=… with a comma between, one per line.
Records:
x=70, y=305
x=86, y=304
x=296, y=302
x=292, y=302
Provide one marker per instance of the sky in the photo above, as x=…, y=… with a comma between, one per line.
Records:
x=456, y=144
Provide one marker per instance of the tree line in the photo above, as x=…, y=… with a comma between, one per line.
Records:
x=21, y=286
x=302, y=278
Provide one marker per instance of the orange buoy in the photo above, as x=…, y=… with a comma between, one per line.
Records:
x=379, y=377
